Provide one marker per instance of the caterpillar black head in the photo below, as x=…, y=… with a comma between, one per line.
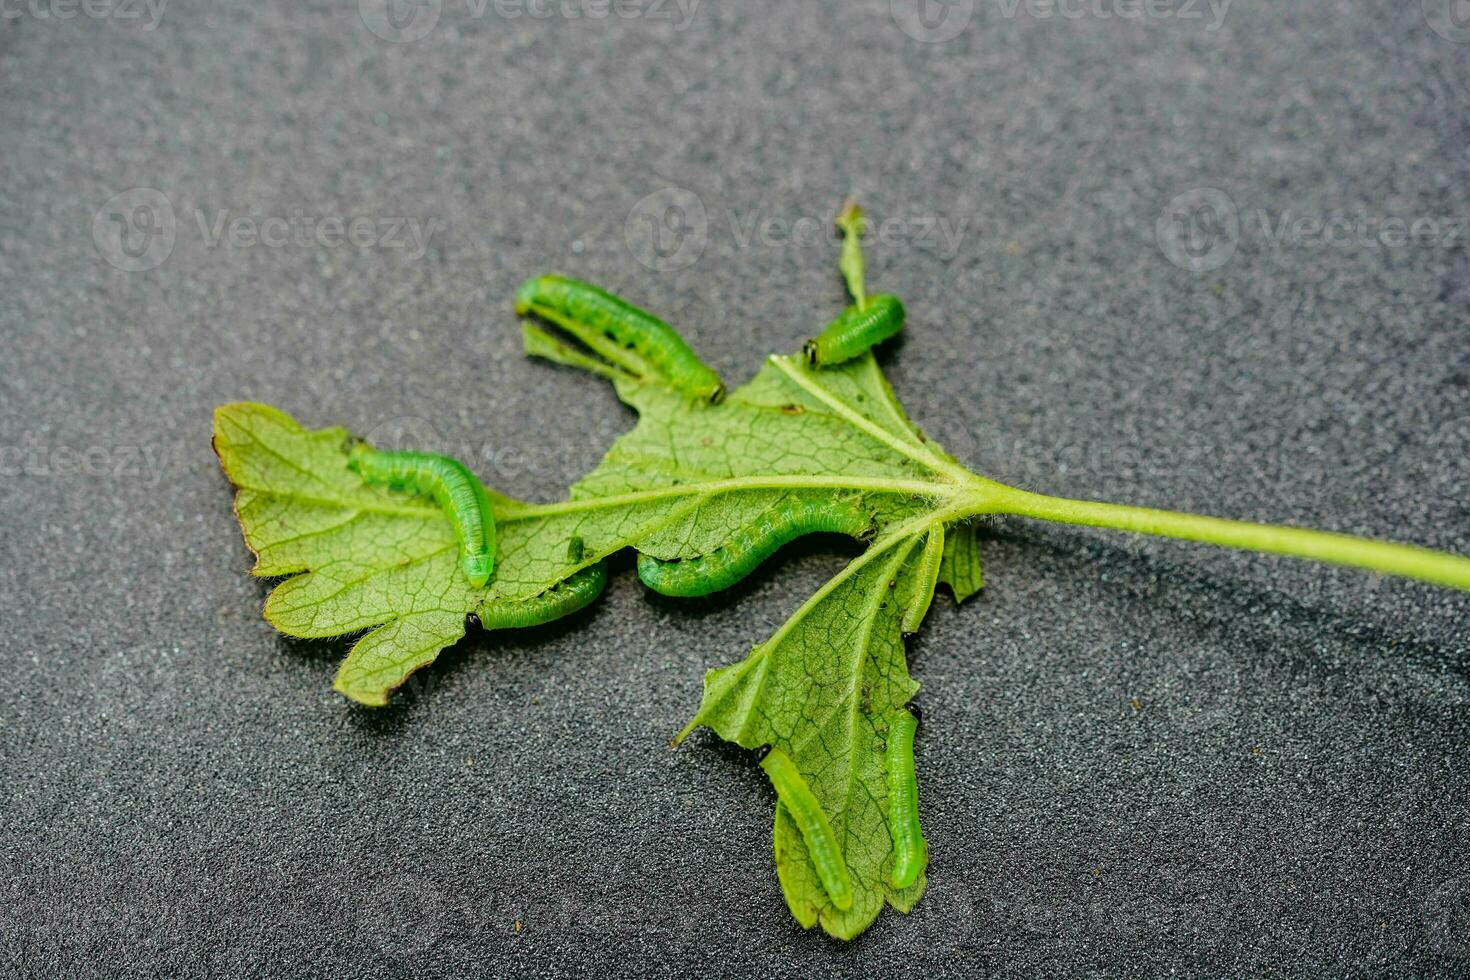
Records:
x=762, y=752
x=913, y=709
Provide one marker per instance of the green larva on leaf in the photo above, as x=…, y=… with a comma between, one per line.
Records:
x=910, y=851
x=452, y=486
x=559, y=299
x=562, y=599
x=855, y=330
x=821, y=844
x=926, y=576
x=746, y=548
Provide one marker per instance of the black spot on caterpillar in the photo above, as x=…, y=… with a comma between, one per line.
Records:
x=559, y=299
x=751, y=545
x=451, y=485
x=794, y=793
x=562, y=599
x=910, y=852
x=856, y=329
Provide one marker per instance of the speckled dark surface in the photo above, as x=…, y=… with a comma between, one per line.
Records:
x=1139, y=757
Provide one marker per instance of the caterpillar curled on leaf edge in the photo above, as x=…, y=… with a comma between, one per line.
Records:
x=926, y=577
x=910, y=850
x=562, y=599
x=816, y=830
x=452, y=485
x=556, y=297
x=751, y=545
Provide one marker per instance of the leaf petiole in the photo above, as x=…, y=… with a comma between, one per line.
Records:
x=1409, y=561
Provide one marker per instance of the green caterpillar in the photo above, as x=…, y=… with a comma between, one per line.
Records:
x=926, y=576
x=751, y=545
x=568, y=302
x=452, y=486
x=856, y=329
x=562, y=599
x=794, y=794
x=910, y=851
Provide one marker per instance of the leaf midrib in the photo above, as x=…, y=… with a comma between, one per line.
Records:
x=913, y=450
x=923, y=488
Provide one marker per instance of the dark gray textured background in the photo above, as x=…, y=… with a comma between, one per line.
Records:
x=181, y=791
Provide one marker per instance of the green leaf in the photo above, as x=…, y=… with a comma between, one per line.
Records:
x=676, y=486
x=361, y=558
x=825, y=687
x=960, y=568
